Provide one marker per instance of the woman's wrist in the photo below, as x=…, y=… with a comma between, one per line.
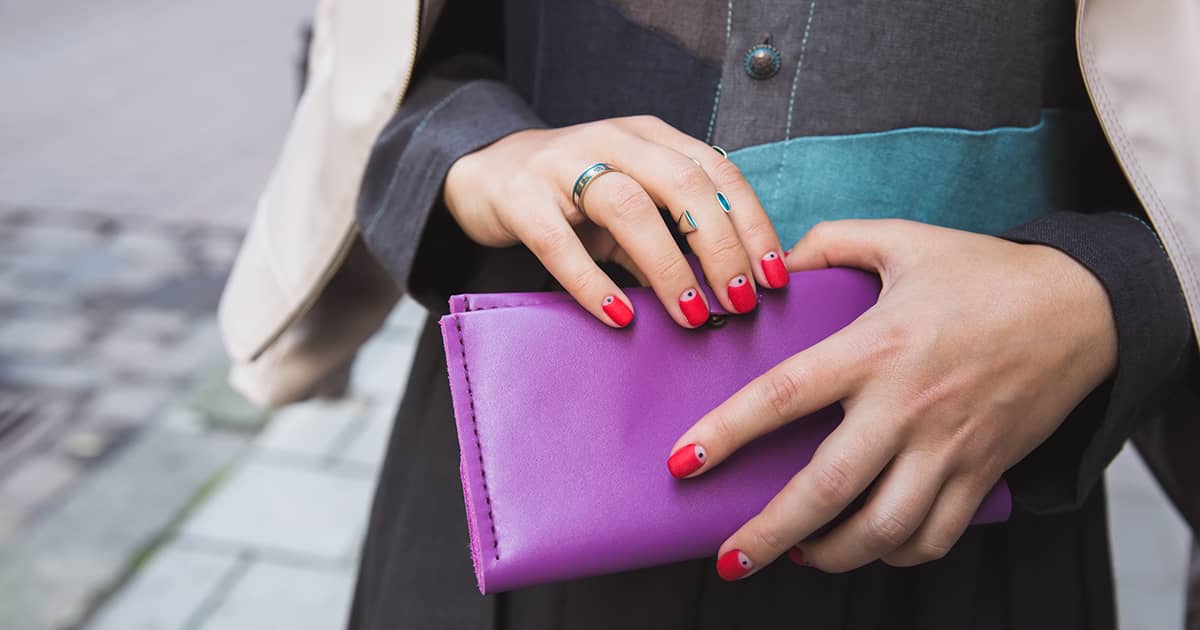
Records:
x=1081, y=297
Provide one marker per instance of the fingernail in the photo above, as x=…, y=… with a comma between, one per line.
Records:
x=775, y=271
x=734, y=565
x=723, y=201
x=687, y=460
x=617, y=310
x=796, y=555
x=695, y=311
x=741, y=294
x=787, y=253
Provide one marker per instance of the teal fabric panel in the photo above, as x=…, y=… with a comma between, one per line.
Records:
x=981, y=181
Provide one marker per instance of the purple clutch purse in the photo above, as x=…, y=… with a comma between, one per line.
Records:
x=565, y=425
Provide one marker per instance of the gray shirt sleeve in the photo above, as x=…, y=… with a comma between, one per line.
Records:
x=458, y=102
x=442, y=120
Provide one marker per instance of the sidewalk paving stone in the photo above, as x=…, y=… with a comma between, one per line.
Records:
x=311, y=428
x=312, y=510
x=129, y=403
x=43, y=337
x=274, y=596
x=1150, y=545
x=29, y=486
x=168, y=591
x=369, y=446
x=382, y=367
x=85, y=545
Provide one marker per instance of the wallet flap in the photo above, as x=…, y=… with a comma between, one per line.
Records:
x=485, y=301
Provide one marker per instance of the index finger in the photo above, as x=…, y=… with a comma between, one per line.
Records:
x=802, y=384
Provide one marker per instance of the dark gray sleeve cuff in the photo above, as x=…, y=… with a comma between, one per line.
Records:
x=400, y=210
x=1154, y=347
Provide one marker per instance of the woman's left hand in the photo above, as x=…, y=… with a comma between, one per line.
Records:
x=976, y=351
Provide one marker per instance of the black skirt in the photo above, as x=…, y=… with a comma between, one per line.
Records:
x=415, y=573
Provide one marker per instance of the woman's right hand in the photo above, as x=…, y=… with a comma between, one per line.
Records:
x=518, y=190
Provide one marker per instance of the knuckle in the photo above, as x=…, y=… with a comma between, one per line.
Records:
x=691, y=180
x=546, y=158
x=888, y=529
x=890, y=339
x=573, y=136
x=832, y=486
x=724, y=429
x=726, y=174
x=919, y=551
x=669, y=265
x=758, y=230
x=780, y=390
x=892, y=224
x=975, y=477
x=726, y=247
x=628, y=199
x=581, y=281
x=822, y=231
x=604, y=128
x=648, y=120
x=771, y=539
x=519, y=184
x=926, y=550
x=551, y=241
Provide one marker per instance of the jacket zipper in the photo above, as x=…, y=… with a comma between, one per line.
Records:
x=412, y=59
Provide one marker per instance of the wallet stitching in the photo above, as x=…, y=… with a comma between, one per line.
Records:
x=475, y=429
x=511, y=305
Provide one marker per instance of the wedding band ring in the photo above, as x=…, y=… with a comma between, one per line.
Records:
x=585, y=179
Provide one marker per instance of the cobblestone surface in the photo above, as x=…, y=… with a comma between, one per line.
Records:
x=104, y=358
x=275, y=545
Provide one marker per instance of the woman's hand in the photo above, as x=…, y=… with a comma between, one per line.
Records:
x=518, y=190
x=976, y=351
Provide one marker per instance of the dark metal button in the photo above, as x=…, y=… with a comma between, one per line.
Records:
x=763, y=62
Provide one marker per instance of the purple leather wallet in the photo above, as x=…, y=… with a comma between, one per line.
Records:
x=565, y=425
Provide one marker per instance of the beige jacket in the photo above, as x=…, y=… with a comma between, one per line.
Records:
x=304, y=294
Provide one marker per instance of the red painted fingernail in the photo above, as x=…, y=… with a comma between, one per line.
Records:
x=734, y=565
x=775, y=271
x=695, y=311
x=617, y=310
x=687, y=460
x=796, y=554
x=787, y=253
x=741, y=294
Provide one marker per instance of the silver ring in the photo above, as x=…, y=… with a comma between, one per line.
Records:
x=686, y=224
x=585, y=179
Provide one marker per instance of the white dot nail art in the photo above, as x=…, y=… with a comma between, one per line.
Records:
x=738, y=281
x=700, y=454
x=688, y=295
x=771, y=256
x=608, y=300
x=744, y=560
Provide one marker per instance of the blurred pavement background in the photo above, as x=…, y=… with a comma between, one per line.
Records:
x=136, y=491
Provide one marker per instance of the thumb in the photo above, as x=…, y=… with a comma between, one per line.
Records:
x=861, y=243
